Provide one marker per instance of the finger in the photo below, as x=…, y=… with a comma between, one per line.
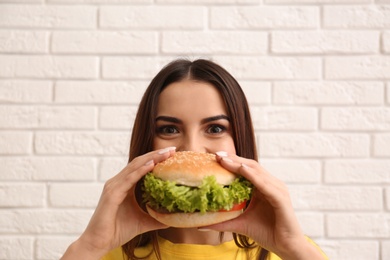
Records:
x=249, y=169
x=146, y=223
x=148, y=158
x=269, y=186
x=136, y=169
x=119, y=186
x=220, y=156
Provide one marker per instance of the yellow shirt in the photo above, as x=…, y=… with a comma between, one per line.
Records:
x=169, y=250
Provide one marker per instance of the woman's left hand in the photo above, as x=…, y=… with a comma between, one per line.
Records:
x=269, y=219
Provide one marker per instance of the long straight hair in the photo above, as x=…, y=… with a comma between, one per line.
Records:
x=144, y=129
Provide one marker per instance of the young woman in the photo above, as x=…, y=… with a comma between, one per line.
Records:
x=193, y=106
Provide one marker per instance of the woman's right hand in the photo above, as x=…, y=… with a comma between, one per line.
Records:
x=118, y=217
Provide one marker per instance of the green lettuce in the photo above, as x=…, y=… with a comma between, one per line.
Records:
x=209, y=196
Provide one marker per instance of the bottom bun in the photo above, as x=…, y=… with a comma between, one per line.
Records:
x=191, y=220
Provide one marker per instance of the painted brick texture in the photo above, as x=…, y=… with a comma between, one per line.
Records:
x=316, y=74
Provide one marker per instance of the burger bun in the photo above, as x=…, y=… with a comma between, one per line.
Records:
x=189, y=168
x=192, y=220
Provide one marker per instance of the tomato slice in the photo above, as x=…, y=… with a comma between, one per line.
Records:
x=235, y=207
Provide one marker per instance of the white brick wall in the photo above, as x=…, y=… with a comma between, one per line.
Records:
x=317, y=76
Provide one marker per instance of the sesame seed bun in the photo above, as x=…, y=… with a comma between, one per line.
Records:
x=189, y=168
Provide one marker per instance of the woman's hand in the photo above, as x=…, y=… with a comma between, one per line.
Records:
x=118, y=217
x=269, y=219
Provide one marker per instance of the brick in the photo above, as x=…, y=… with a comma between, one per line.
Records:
x=385, y=252
x=52, y=247
x=15, y=117
x=43, y=221
x=99, y=92
x=101, y=1
x=47, y=169
x=388, y=92
x=22, y=1
x=355, y=16
x=382, y=145
x=317, y=42
x=357, y=171
x=132, y=67
x=16, y=248
x=109, y=167
x=256, y=92
x=267, y=68
x=208, y=1
x=336, y=198
x=82, y=143
x=215, y=42
x=329, y=92
x=118, y=117
x=357, y=118
x=137, y=42
x=314, y=145
x=284, y=118
x=387, y=198
x=48, y=66
x=358, y=225
x=317, y=1
x=77, y=195
x=355, y=249
x=362, y=67
x=25, y=91
x=48, y=16
x=264, y=17
x=311, y=223
x=22, y=195
x=15, y=143
x=294, y=171
x=386, y=42
x=152, y=17
x=21, y=41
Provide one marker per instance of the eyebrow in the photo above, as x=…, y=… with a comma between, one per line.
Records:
x=214, y=118
x=203, y=121
x=169, y=119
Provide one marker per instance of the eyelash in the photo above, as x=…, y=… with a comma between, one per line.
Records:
x=163, y=129
x=222, y=128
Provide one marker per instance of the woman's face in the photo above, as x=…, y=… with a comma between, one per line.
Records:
x=191, y=115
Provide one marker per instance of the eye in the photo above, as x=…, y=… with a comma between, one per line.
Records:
x=167, y=130
x=216, y=129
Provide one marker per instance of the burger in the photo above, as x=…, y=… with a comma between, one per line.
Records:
x=192, y=189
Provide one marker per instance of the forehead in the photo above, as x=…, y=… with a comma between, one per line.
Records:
x=190, y=95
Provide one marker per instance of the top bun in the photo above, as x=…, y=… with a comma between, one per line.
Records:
x=189, y=168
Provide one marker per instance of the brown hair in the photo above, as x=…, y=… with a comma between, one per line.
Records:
x=144, y=125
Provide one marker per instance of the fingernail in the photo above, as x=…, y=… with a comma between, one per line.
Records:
x=221, y=154
x=203, y=229
x=149, y=163
x=168, y=149
x=225, y=159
